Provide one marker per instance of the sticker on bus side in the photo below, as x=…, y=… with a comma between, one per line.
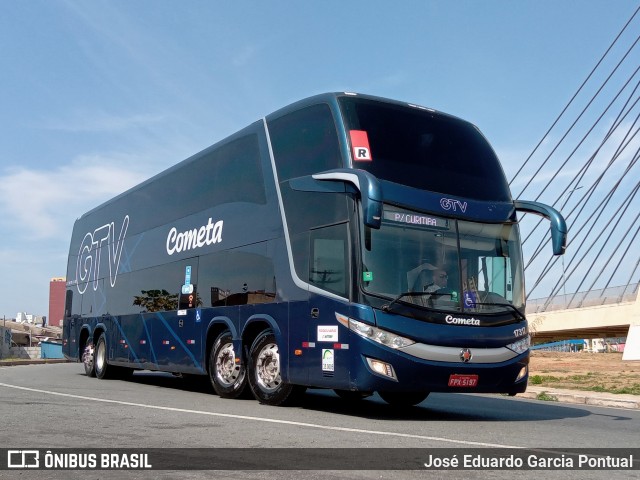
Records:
x=327, y=333
x=327, y=360
x=360, y=146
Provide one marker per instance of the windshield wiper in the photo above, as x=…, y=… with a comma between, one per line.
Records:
x=387, y=308
x=519, y=315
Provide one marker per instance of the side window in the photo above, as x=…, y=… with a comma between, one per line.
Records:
x=233, y=172
x=69, y=307
x=156, y=289
x=229, y=173
x=237, y=277
x=305, y=142
x=329, y=259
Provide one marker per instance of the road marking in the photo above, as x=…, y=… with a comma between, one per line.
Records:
x=265, y=420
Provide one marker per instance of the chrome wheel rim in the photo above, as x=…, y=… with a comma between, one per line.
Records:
x=268, y=368
x=100, y=356
x=227, y=371
x=87, y=356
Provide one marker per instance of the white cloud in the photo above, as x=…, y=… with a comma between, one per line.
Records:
x=40, y=204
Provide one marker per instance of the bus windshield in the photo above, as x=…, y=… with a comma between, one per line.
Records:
x=424, y=149
x=444, y=264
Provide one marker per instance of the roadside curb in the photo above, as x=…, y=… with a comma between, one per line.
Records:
x=578, y=397
x=33, y=361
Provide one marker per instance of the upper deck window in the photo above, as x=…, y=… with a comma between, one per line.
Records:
x=425, y=149
x=305, y=142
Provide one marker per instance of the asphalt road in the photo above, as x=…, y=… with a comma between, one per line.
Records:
x=57, y=406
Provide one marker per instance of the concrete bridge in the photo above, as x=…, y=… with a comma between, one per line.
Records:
x=587, y=321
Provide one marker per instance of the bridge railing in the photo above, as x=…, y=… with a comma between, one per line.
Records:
x=591, y=298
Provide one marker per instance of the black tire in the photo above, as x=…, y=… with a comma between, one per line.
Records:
x=228, y=378
x=403, y=399
x=102, y=368
x=351, y=396
x=265, y=379
x=88, y=359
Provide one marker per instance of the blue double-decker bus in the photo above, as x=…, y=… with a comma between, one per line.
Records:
x=345, y=242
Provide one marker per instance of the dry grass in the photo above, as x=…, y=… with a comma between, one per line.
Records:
x=600, y=372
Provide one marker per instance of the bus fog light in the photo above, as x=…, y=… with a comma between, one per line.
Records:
x=381, y=368
x=522, y=374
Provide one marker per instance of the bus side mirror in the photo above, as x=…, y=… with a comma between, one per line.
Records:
x=558, y=225
x=367, y=185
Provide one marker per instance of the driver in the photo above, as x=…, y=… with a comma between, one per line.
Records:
x=439, y=281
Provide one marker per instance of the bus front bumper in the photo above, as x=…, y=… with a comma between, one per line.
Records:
x=446, y=369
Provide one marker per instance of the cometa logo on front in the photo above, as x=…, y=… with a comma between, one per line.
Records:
x=450, y=319
x=195, y=238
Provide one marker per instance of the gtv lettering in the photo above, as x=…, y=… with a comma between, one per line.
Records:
x=90, y=253
x=451, y=204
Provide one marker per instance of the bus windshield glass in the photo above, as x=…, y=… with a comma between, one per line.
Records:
x=423, y=149
x=444, y=264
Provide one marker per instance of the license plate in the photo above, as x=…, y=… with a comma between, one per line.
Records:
x=456, y=380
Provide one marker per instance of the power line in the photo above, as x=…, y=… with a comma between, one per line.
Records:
x=594, y=232
x=574, y=97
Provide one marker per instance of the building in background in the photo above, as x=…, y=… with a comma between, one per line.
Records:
x=23, y=317
x=57, y=288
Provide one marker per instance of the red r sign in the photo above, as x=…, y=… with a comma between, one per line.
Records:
x=360, y=146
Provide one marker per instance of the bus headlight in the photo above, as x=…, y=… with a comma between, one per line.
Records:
x=378, y=335
x=521, y=345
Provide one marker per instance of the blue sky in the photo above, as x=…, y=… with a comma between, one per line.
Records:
x=97, y=96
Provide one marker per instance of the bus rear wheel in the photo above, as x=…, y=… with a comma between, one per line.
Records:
x=265, y=377
x=88, y=359
x=228, y=377
x=403, y=399
x=102, y=368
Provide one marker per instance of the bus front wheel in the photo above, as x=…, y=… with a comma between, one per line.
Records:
x=265, y=377
x=227, y=376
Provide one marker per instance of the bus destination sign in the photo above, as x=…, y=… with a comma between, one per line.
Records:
x=409, y=218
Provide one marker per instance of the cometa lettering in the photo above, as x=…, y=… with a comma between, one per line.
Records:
x=461, y=321
x=195, y=238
